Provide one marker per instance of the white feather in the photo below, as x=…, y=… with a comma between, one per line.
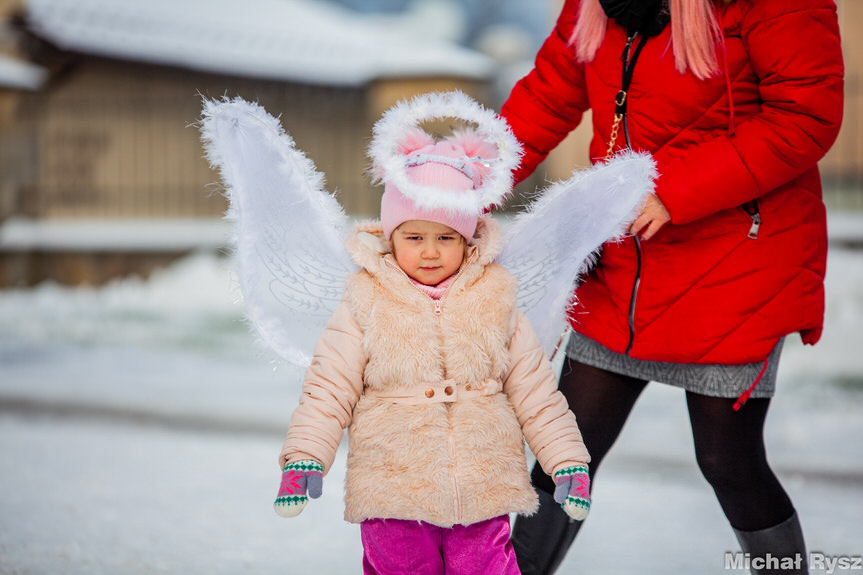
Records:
x=290, y=258
x=553, y=242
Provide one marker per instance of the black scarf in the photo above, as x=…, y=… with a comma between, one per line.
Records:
x=647, y=17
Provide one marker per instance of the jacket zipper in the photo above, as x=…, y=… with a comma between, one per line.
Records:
x=626, y=70
x=456, y=491
x=438, y=311
x=634, y=295
x=753, y=210
x=628, y=66
x=437, y=303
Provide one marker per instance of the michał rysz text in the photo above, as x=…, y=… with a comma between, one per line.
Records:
x=817, y=560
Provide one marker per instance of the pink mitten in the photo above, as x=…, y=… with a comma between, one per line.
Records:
x=300, y=480
x=572, y=491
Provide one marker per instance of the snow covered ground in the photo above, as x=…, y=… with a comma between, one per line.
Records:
x=139, y=428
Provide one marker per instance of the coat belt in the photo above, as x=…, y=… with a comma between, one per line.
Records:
x=445, y=391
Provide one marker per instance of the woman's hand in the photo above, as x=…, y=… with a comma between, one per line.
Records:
x=652, y=217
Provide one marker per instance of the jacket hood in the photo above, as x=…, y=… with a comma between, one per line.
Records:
x=366, y=243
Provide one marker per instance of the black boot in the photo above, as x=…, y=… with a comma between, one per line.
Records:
x=541, y=540
x=777, y=549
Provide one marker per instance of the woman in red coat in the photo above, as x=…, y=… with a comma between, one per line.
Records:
x=737, y=100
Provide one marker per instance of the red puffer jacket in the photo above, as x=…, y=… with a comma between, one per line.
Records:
x=712, y=286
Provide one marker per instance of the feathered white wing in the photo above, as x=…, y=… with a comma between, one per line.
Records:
x=553, y=242
x=288, y=232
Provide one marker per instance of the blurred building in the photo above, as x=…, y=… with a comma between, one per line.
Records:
x=108, y=134
x=98, y=98
x=842, y=168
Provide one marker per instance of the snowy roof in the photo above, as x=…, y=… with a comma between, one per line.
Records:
x=20, y=75
x=298, y=40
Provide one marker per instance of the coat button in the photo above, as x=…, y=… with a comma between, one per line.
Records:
x=467, y=387
x=429, y=393
x=448, y=390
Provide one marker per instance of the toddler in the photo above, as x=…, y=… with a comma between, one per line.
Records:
x=438, y=378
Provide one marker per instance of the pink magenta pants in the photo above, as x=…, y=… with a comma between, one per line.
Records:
x=397, y=547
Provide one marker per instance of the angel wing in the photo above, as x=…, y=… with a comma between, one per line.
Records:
x=288, y=232
x=551, y=244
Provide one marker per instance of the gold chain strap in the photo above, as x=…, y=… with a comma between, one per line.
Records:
x=615, y=127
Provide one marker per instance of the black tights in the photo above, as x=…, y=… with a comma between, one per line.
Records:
x=729, y=445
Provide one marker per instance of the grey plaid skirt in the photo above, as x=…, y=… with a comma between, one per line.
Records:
x=716, y=380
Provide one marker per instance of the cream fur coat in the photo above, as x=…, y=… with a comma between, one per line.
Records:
x=443, y=462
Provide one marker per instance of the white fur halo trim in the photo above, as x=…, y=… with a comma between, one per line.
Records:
x=390, y=166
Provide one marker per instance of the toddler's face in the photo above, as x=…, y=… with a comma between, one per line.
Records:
x=428, y=252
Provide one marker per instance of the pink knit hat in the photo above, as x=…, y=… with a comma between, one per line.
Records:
x=451, y=181
x=444, y=165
